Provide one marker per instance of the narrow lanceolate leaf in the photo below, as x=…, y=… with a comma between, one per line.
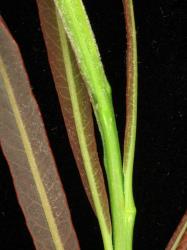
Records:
x=25, y=146
x=179, y=238
x=131, y=117
x=77, y=113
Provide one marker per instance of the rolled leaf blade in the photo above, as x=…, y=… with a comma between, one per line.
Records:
x=131, y=97
x=25, y=146
x=76, y=109
x=131, y=120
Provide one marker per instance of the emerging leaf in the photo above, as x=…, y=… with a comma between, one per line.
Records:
x=25, y=146
x=76, y=109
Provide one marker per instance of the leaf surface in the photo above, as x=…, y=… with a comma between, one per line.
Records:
x=76, y=109
x=179, y=239
x=131, y=96
x=25, y=146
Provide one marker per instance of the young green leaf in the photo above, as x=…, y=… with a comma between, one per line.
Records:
x=76, y=109
x=131, y=117
x=25, y=146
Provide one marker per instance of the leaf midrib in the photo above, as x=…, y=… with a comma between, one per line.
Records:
x=31, y=160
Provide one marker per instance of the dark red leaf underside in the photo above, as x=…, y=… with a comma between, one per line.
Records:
x=51, y=35
x=38, y=186
x=131, y=84
x=182, y=243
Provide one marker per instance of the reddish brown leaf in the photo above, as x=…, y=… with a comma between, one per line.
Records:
x=25, y=146
x=131, y=86
x=179, y=239
x=50, y=23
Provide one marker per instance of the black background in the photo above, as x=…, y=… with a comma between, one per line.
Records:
x=160, y=160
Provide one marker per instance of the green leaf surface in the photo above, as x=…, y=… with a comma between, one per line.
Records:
x=26, y=148
x=77, y=112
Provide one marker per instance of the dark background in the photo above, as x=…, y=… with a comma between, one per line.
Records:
x=161, y=154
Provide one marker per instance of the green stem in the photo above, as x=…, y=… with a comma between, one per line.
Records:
x=113, y=165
